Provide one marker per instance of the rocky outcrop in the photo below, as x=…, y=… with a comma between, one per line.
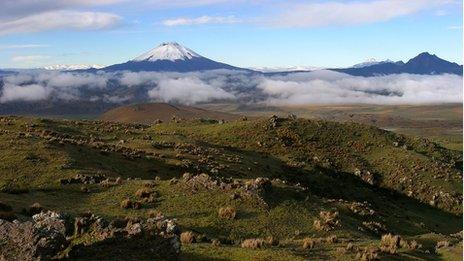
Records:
x=127, y=239
x=40, y=239
x=49, y=233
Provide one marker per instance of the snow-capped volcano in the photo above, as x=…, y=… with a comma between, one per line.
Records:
x=167, y=51
x=170, y=57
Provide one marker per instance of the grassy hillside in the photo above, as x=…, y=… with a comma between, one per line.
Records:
x=149, y=113
x=323, y=190
x=441, y=123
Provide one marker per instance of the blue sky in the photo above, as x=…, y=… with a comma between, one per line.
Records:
x=260, y=33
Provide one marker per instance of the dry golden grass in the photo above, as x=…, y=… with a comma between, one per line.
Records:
x=272, y=241
x=215, y=242
x=309, y=243
x=253, y=243
x=390, y=243
x=187, y=237
x=144, y=192
x=227, y=213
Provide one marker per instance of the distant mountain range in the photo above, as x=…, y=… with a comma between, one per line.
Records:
x=370, y=62
x=87, y=90
x=71, y=67
x=171, y=57
x=424, y=63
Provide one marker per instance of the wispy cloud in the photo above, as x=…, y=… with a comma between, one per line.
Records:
x=312, y=14
x=22, y=46
x=187, y=3
x=14, y=9
x=60, y=20
x=23, y=16
x=202, y=20
x=29, y=58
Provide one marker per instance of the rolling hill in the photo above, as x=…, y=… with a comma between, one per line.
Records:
x=275, y=188
x=148, y=113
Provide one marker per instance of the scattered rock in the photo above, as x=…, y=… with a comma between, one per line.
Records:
x=40, y=239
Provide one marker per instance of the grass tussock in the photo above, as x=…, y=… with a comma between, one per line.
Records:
x=227, y=213
x=253, y=243
x=309, y=243
x=127, y=203
x=187, y=237
x=390, y=243
x=328, y=220
x=35, y=208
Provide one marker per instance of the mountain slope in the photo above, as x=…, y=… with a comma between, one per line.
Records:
x=424, y=63
x=170, y=57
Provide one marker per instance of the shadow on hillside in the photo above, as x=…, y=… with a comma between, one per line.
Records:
x=403, y=215
x=116, y=164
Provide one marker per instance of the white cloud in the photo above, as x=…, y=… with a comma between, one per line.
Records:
x=187, y=3
x=202, y=20
x=312, y=14
x=326, y=87
x=53, y=84
x=33, y=92
x=60, y=20
x=318, y=87
x=188, y=90
x=67, y=80
x=15, y=9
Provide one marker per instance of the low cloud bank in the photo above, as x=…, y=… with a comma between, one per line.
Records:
x=188, y=90
x=318, y=87
x=31, y=92
x=325, y=87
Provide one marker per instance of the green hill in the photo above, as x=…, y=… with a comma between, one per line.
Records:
x=337, y=186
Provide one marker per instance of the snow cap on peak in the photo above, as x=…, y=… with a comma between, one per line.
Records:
x=370, y=62
x=171, y=51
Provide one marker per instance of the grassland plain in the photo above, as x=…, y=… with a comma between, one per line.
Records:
x=301, y=189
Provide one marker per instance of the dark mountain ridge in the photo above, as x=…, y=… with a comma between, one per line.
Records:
x=425, y=63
